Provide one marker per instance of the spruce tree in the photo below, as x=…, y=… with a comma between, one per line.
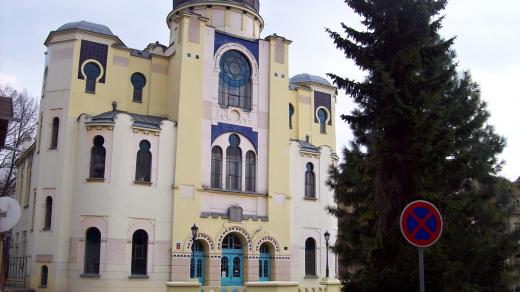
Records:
x=420, y=132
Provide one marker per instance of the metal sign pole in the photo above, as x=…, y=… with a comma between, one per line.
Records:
x=421, y=269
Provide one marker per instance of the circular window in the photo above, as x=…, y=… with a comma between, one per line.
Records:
x=92, y=70
x=235, y=68
x=138, y=80
x=322, y=115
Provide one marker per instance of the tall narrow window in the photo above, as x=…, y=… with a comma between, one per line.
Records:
x=234, y=164
x=92, y=251
x=48, y=214
x=143, y=169
x=216, y=168
x=235, y=81
x=310, y=257
x=310, y=181
x=92, y=72
x=139, y=252
x=139, y=82
x=250, y=172
x=323, y=117
x=97, y=158
x=44, y=277
x=55, y=133
x=291, y=114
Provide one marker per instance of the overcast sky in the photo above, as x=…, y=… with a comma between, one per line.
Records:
x=488, y=44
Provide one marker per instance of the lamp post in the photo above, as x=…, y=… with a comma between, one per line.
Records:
x=327, y=238
x=194, y=231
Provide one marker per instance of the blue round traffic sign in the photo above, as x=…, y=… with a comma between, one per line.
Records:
x=421, y=223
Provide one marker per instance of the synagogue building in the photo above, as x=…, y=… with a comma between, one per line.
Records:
x=200, y=158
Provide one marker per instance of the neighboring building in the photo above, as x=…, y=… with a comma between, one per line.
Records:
x=134, y=147
x=6, y=114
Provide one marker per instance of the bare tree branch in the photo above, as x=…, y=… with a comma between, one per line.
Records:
x=23, y=127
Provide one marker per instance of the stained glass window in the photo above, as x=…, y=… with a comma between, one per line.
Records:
x=216, y=167
x=234, y=164
x=235, y=81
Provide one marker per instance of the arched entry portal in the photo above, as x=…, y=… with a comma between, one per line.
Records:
x=198, y=263
x=232, y=261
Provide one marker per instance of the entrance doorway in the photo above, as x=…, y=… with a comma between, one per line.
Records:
x=198, y=263
x=232, y=262
x=264, y=264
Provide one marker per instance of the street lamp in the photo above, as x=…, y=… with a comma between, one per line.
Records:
x=194, y=231
x=327, y=238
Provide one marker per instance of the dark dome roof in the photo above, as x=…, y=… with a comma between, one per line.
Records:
x=87, y=26
x=306, y=78
x=252, y=4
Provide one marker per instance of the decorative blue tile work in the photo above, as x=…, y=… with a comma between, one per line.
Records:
x=222, y=39
x=221, y=128
x=324, y=100
x=94, y=51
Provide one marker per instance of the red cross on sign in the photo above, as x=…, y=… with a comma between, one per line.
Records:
x=421, y=224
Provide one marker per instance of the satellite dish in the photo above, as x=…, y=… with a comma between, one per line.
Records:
x=10, y=213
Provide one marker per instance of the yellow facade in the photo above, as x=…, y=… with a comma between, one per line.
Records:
x=183, y=114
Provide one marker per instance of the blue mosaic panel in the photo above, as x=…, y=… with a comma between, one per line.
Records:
x=221, y=128
x=222, y=39
x=94, y=51
x=324, y=100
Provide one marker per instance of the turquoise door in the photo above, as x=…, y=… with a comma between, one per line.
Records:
x=264, y=264
x=232, y=262
x=198, y=264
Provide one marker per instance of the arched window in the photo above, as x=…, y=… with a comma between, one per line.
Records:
x=97, y=158
x=264, y=263
x=310, y=181
x=139, y=252
x=235, y=80
x=291, y=114
x=143, y=169
x=139, y=82
x=310, y=257
x=250, y=172
x=234, y=164
x=216, y=167
x=92, y=251
x=92, y=72
x=48, y=214
x=55, y=133
x=323, y=117
x=231, y=241
x=44, y=277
